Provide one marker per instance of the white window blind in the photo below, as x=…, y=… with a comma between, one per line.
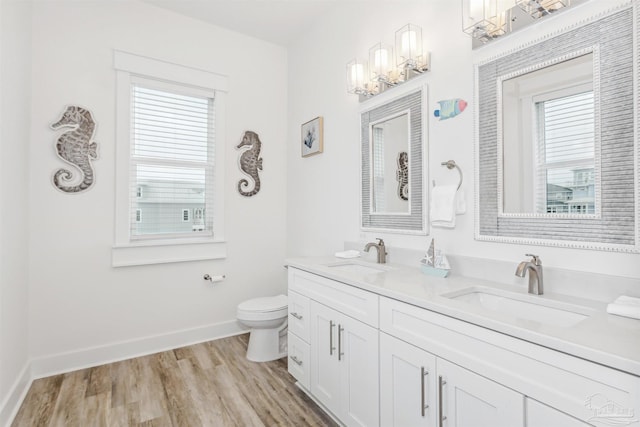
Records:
x=172, y=159
x=566, y=154
x=379, y=202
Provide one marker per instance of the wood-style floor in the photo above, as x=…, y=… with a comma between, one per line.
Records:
x=208, y=384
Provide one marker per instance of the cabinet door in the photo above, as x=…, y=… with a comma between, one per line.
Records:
x=470, y=400
x=325, y=368
x=407, y=384
x=358, y=360
x=539, y=415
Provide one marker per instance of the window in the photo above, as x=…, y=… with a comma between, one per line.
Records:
x=169, y=118
x=173, y=140
x=566, y=152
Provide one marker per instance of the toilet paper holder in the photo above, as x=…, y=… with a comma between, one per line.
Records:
x=214, y=279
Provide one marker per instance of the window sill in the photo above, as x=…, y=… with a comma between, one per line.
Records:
x=167, y=251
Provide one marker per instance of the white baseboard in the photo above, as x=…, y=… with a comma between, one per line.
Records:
x=11, y=404
x=94, y=356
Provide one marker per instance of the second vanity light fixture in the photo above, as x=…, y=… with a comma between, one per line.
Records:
x=486, y=20
x=384, y=69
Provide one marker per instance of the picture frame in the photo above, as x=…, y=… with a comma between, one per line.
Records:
x=311, y=137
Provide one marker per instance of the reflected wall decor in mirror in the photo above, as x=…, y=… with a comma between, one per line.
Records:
x=392, y=156
x=557, y=146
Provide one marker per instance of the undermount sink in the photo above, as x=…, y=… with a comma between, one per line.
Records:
x=358, y=267
x=522, y=306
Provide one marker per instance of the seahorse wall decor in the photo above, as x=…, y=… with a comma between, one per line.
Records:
x=76, y=146
x=402, y=175
x=250, y=163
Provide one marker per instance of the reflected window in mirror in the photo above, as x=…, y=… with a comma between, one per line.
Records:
x=549, y=139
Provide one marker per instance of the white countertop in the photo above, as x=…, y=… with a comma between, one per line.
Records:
x=603, y=338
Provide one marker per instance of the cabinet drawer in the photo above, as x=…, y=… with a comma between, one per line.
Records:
x=298, y=362
x=299, y=315
x=559, y=380
x=347, y=299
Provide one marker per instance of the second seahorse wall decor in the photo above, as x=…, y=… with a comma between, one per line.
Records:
x=76, y=147
x=250, y=163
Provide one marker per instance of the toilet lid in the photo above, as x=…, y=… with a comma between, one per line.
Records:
x=266, y=304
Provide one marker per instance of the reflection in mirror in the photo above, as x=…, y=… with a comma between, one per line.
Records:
x=549, y=142
x=390, y=166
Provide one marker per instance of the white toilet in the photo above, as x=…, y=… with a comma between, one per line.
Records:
x=267, y=318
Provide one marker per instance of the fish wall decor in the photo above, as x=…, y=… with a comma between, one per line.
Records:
x=450, y=108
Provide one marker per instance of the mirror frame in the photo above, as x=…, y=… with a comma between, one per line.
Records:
x=413, y=99
x=616, y=226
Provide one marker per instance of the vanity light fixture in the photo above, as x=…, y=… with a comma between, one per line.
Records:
x=409, y=55
x=383, y=73
x=384, y=70
x=539, y=8
x=486, y=20
x=357, y=78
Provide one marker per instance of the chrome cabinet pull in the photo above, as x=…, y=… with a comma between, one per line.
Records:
x=296, y=315
x=441, y=384
x=340, y=353
x=331, y=347
x=424, y=406
x=296, y=360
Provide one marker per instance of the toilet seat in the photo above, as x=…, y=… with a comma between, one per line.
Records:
x=266, y=308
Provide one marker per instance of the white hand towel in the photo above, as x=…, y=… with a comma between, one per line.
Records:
x=461, y=204
x=443, y=206
x=625, y=306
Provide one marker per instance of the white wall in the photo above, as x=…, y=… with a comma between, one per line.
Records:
x=15, y=63
x=77, y=301
x=323, y=190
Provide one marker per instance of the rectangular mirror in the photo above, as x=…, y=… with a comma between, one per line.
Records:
x=556, y=144
x=393, y=158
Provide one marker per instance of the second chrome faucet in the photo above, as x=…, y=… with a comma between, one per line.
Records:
x=534, y=267
x=382, y=250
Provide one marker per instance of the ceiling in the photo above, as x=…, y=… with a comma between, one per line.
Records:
x=276, y=21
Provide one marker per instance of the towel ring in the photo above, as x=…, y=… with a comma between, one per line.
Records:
x=450, y=164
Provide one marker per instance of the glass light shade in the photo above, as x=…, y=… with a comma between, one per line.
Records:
x=409, y=46
x=381, y=61
x=357, y=76
x=539, y=8
x=486, y=19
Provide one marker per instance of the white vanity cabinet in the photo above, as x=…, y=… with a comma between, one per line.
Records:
x=467, y=399
x=417, y=389
x=407, y=385
x=344, y=366
x=343, y=346
x=371, y=361
x=497, y=380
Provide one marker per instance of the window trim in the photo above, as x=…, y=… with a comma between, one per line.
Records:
x=125, y=251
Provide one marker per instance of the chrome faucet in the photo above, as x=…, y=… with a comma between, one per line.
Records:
x=382, y=250
x=535, y=274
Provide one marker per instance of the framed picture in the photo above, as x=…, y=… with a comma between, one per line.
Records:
x=311, y=137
